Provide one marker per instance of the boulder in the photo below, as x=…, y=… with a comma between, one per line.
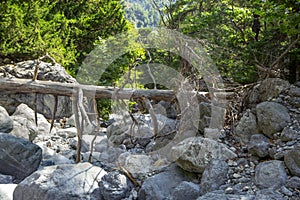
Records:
x=267, y=89
x=25, y=126
x=294, y=96
x=110, y=156
x=18, y=157
x=45, y=103
x=293, y=182
x=246, y=127
x=214, y=176
x=259, y=145
x=194, y=153
x=161, y=186
x=272, y=117
x=289, y=134
x=6, y=123
x=114, y=186
x=71, y=181
x=270, y=174
x=185, y=190
x=292, y=161
x=138, y=165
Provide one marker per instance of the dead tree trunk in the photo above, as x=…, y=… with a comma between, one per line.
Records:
x=68, y=89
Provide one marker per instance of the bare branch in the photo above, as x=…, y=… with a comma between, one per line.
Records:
x=97, y=130
x=149, y=69
x=54, y=112
x=35, y=109
x=160, y=13
x=153, y=116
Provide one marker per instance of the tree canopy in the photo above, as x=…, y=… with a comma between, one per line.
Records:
x=65, y=29
x=248, y=40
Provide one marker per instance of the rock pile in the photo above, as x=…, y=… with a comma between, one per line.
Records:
x=258, y=159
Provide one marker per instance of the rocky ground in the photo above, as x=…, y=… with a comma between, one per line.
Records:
x=258, y=158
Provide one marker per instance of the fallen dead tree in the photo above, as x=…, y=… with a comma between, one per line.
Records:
x=69, y=89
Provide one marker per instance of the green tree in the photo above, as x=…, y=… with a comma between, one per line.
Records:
x=247, y=39
x=65, y=29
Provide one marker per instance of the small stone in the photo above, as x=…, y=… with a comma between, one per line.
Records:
x=291, y=143
x=232, y=163
x=229, y=190
x=246, y=188
x=235, y=175
x=232, y=149
x=286, y=191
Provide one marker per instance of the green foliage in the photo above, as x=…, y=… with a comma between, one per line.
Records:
x=226, y=29
x=65, y=29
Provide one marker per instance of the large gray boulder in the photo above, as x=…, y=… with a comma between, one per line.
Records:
x=259, y=145
x=138, y=165
x=6, y=123
x=272, y=117
x=270, y=174
x=214, y=176
x=25, y=126
x=194, y=153
x=293, y=182
x=18, y=157
x=186, y=190
x=267, y=89
x=45, y=103
x=246, y=127
x=71, y=181
x=160, y=186
x=292, y=161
